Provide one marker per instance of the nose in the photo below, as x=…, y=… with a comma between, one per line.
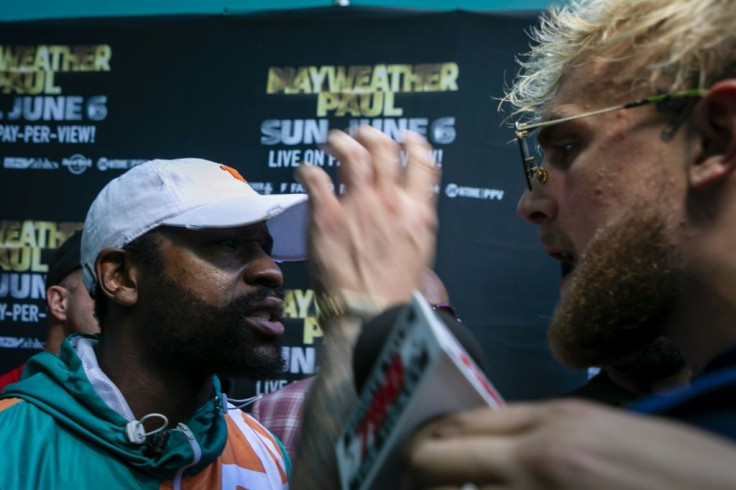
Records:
x=537, y=206
x=263, y=271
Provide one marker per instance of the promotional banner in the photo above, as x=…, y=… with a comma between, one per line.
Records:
x=81, y=101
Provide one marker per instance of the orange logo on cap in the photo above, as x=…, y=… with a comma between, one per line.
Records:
x=234, y=173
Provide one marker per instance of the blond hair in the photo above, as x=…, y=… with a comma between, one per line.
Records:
x=674, y=44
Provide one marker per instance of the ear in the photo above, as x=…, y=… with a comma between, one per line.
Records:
x=57, y=299
x=117, y=276
x=714, y=118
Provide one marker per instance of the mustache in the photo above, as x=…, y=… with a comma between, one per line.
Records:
x=554, y=239
x=250, y=303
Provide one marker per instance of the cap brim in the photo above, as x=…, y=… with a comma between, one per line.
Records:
x=286, y=216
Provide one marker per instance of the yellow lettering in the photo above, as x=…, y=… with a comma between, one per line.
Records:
x=9, y=233
x=8, y=58
x=48, y=84
x=371, y=105
x=338, y=81
x=448, y=76
x=103, y=53
x=304, y=300
x=49, y=235
x=65, y=230
x=388, y=106
x=431, y=77
x=397, y=73
x=290, y=306
x=26, y=57
x=311, y=330
x=301, y=84
x=15, y=259
x=42, y=59
x=318, y=77
x=36, y=264
x=57, y=54
x=278, y=79
x=326, y=101
x=28, y=235
x=85, y=58
x=380, y=79
x=348, y=104
x=361, y=76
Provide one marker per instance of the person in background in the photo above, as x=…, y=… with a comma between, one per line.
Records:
x=70, y=307
x=281, y=412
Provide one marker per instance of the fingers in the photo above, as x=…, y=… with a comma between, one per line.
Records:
x=318, y=186
x=422, y=173
x=501, y=421
x=384, y=152
x=452, y=462
x=373, y=157
x=474, y=446
x=355, y=169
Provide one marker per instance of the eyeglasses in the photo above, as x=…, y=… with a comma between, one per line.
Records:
x=533, y=168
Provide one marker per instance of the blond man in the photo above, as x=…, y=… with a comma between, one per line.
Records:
x=633, y=106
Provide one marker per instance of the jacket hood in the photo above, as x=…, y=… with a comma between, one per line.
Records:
x=59, y=386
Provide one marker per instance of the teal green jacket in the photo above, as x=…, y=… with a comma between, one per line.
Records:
x=57, y=433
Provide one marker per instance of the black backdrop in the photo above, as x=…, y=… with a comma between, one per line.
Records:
x=83, y=100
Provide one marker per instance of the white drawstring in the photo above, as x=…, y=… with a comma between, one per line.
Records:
x=237, y=403
x=136, y=433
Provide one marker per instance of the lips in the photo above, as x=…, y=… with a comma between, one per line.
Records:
x=568, y=261
x=266, y=317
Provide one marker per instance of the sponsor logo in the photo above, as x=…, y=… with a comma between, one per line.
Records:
x=262, y=187
x=453, y=191
x=104, y=164
x=21, y=343
x=22, y=163
x=77, y=163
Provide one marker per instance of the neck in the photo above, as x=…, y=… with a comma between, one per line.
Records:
x=704, y=324
x=634, y=385
x=147, y=386
x=55, y=335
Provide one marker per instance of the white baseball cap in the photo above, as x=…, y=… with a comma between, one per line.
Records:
x=190, y=193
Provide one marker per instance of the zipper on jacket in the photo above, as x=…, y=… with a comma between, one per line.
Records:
x=196, y=450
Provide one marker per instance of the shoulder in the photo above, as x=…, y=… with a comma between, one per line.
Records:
x=289, y=398
x=708, y=403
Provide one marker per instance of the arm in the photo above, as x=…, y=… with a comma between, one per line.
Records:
x=367, y=250
x=327, y=407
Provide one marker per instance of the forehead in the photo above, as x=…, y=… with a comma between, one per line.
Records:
x=183, y=236
x=591, y=85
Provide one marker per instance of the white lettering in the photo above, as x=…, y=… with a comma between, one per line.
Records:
x=284, y=158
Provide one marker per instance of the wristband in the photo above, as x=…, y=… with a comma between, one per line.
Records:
x=348, y=304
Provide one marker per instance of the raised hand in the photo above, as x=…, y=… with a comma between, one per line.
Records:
x=376, y=238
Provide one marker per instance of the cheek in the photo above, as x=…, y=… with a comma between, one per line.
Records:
x=209, y=283
x=585, y=200
x=81, y=313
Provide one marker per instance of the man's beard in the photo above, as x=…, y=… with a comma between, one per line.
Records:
x=619, y=297
x=193, y=335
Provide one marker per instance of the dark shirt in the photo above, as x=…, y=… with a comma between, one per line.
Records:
x=602, y=389
x=708, y=403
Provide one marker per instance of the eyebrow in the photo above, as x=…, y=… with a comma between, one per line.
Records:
x=561, y=112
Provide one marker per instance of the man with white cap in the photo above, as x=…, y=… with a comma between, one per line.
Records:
x=180, y=258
